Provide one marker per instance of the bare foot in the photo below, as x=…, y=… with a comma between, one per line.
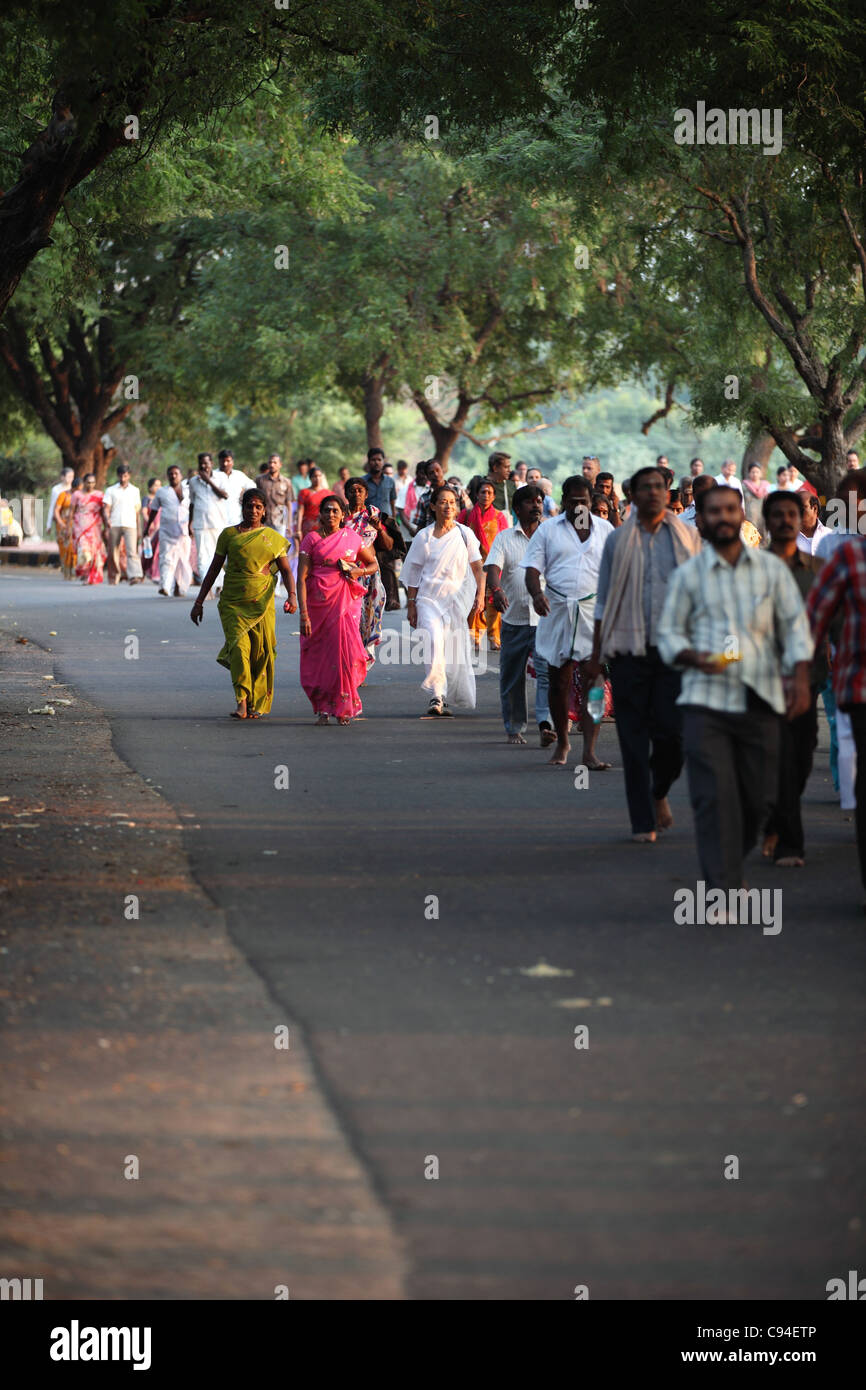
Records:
x=241, y=711
x=595, y=764
x=664, y=817
x=791, y=861
x=546, y=737
x=517, y=739
x=560, y=755
x=767, y=848
x=322, y=719
x=646, y=837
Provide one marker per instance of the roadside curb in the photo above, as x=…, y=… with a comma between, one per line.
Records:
x=136, y=1030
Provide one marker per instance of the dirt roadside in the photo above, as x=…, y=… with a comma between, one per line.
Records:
x=148, y=1038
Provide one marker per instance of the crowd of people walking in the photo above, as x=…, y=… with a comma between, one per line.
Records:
x=706, y=618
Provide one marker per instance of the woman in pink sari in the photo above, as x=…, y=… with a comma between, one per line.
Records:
x=333, y=659
x=87, y=531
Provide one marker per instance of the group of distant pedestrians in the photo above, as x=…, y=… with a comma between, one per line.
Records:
x=711, y=616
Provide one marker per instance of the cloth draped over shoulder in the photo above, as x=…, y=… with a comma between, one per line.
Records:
x=440, y=569
x=622, y=624
x=333, y=659
x=442, y=575
x=246, y=610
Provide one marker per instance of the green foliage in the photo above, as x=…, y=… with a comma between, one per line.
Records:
x=608, y=423
x=436, y=271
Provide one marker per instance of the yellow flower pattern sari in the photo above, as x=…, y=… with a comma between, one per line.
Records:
x=246, y=611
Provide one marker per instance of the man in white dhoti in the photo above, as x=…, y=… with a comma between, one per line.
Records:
x=207, y=517
x=566, y=551
x=234, y=484
x=172, y=503
x=444, y=578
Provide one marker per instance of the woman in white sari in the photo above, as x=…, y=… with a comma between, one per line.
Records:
x=444, y=578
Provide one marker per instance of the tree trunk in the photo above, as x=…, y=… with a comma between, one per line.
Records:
x=445, y=433
x=70, y=395
x=445, y=446
x=95, y=459
x=57, y=161
x=758, y=450
x=828, y=472
x=374, y=408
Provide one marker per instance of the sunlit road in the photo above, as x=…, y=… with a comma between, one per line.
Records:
x=557, y=1166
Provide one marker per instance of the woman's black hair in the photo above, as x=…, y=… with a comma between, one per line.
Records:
x=332, y=497
x=254, y=492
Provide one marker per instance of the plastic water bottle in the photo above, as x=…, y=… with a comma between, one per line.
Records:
x=147, y=548
x=595, y=703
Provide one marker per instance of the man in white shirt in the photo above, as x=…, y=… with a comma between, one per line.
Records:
x=402, y=482
x=172, y=503
x=506, y=584
x=812, y=528
x=567, y=552
x=234, y=483
x=728, y=476
x=65, y=485
x=121, y=510
x=207, y=517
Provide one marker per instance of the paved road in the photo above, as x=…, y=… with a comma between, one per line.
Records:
x=557, y=1166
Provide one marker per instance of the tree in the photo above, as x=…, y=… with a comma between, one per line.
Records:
x=787, y=233
x=435, y=286
x=92, y=90
x=100, y=319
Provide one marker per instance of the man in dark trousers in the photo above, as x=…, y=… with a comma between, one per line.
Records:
x=382, y=493
x=783, y=517
x=841, y=586
x=638, y=560
x=733, y=622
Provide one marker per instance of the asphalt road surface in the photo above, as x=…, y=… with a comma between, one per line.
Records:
x=558, y=1166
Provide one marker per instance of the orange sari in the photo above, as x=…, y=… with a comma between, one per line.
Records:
x=486, y=527
x=65, y=541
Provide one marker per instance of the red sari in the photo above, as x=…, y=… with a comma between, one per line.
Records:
x=312, y=501
x=486, y=526
x=333, y=659
x=87, y=536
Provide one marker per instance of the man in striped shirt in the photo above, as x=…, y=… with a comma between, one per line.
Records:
x=842, y=584
x=726, y=616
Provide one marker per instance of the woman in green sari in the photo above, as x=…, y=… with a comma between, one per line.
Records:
x=254, y=554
